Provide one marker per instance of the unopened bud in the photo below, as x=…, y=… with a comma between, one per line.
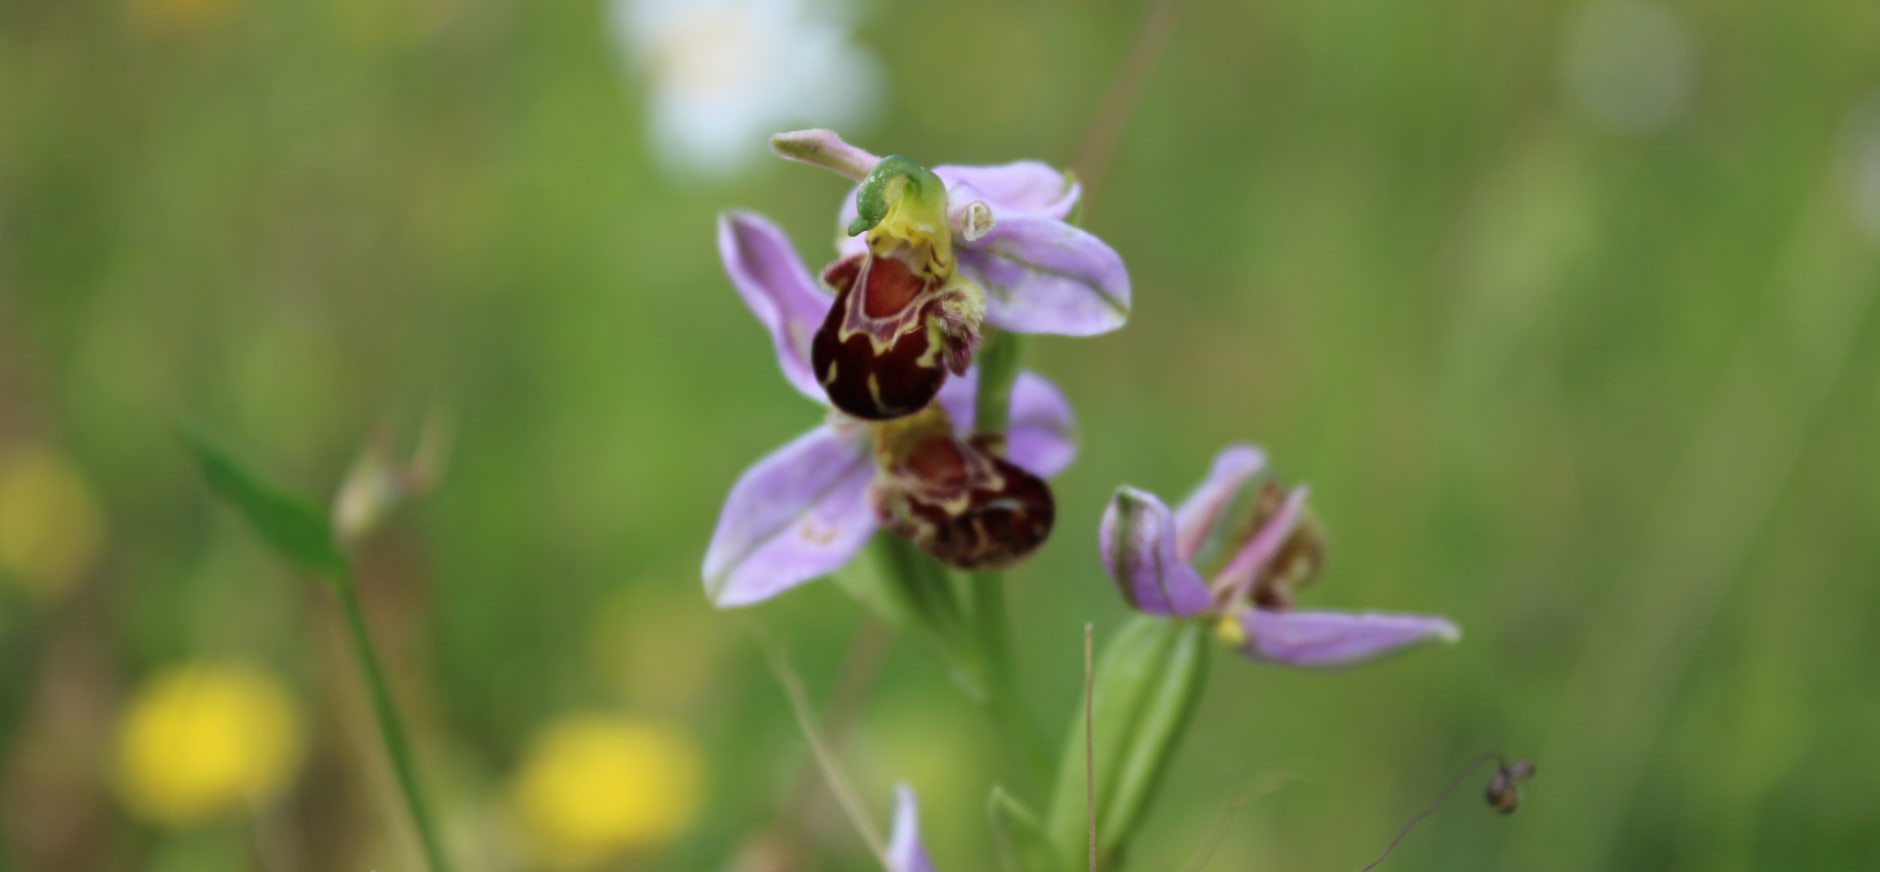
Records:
x=376, y=485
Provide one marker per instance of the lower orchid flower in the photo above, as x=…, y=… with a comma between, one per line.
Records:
x=809, y=507
x=1153, y=554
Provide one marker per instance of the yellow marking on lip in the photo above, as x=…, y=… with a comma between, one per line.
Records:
x=816, y=534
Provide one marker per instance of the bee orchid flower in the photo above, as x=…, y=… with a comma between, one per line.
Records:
x=931, y=255
x=807, y=508
x=1266, y=551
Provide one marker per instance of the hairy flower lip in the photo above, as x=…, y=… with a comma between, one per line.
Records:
x=1148, y=550
x=888, y=342
x=959, y=502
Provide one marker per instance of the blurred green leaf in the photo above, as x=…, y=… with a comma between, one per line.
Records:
x=293, y=527
x=1145, y=688
x=1022, y=842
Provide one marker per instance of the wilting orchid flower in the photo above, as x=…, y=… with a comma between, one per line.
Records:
x=807, y=508
x=931, y=254
x=906, y=853
x=1152, y=553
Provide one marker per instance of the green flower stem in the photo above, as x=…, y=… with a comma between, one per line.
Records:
x=998, y=367
x=921, y=588
x=391, y=730
x=1003, y=702
x=998, y=361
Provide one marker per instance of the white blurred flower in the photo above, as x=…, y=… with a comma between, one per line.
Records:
x=1863, y=165
x=1631, y=65
x=722, y=75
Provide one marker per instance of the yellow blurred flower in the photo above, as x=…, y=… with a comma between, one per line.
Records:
x=204, y=739
x=593, y=787
x=633, y=637
x=49, y=525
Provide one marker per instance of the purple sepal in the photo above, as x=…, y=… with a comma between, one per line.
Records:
x=1040, y=431
x=771, y=278
x=1329, y=639
x=1138, y=543
x=799, y=513
x=1042, y=275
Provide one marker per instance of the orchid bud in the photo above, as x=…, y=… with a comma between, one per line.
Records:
x=379, y=483
x=955, y=500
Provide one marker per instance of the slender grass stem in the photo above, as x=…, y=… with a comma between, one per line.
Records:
x=391, y=729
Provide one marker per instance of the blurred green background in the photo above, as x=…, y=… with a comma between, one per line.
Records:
x=1563, y=310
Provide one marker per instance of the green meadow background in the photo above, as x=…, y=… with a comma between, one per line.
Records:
x=1608, y=396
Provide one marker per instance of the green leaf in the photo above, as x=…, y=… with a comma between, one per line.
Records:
x=1147, y=683
x=291, y=526
x=1021, y=839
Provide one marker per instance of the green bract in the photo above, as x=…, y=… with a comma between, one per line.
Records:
x=1146, y=685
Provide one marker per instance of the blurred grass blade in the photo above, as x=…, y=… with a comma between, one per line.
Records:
x=1146, y=687
x=291, y=526
x=1022, y=843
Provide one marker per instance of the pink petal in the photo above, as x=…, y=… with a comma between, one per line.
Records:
x=1199, y=512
